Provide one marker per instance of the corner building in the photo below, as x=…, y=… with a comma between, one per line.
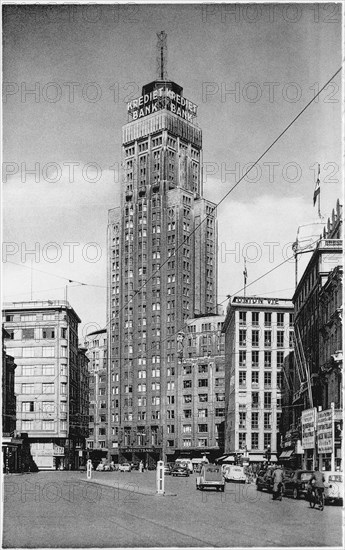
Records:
x=258, y=338
x=162, y=268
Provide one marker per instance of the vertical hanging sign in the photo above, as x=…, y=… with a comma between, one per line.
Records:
x=308, y=428
x=325, y=431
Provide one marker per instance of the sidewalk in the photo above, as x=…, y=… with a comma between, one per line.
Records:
x=141, y=483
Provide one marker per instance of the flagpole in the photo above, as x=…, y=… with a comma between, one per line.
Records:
x=319, y=195
x=245, y=276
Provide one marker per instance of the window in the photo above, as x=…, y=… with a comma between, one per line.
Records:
x=48, y=425
x=203, y=369
x=202, y=442
x=280, y=319
x=255, y=378
x=27, y=406
x=291, y=339
x=49, y=317
x=187, y=384
x=268, y=359
x=267, y=421
x=28, y=317
x=187, y=442
x=255, y=420
x=187, y=398
x=63, y=388
x=267, y=338
x=49, y=406
x=242, y=337
x=242, y=317
x=268, y=319
x=255, y=400
x=202, y=413
x=280, y=358
x=203, y=397
x=28, y=333
x=187, y=429
x=242, y=358
x=242, y=440
x=48, y=333
x=242, y=378
x=30, y=352
x=48, y=388
x=267, y=400
x=279, y=380
x=203, y=383
x=255, y=441
x=291, y=319
x=49, y=351
x=28, y=370
x=28, y=388
x=267, y=440
x=280, y=339
x=27, y=425
x=255, y=358
x=255, y=338
x=202, y=428
x=187, y=369
x=219, y=412
x=255, y=318
x=187, y=413
x=48, y=370
x=242, y=423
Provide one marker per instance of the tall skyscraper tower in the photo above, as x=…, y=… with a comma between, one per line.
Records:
x=162, y=266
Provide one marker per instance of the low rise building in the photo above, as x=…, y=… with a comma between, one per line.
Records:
x=43, y=339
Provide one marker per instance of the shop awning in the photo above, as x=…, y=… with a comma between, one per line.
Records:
x=229, y=459
x=286, y=454
x=261, y=458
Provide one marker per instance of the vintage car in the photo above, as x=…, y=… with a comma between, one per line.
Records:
x=234, y=473
x=180, y=471
x=296, y=483
x=334, y=487
x=264, y=480
x=211, y=476
x=125, y=467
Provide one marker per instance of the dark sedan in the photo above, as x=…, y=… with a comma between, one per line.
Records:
x=296, y=482
x=180, y=471
x=264, y=479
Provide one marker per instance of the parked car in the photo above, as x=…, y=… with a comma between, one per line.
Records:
x=168, y=468
x=125, y=467
x=185, y=462
x=211, y=476
x=334, y=487
x=264, y=480
x=234, y=473
x=100, y=467
x=179, y=471
x=295, y=483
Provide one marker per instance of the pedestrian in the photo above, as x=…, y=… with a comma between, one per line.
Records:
x=277, y=483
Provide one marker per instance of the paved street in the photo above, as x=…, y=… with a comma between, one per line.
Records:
x=62, y=509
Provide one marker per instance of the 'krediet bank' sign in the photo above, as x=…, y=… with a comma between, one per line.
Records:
x=162, y=98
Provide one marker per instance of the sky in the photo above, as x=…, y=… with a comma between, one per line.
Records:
x=251, y=69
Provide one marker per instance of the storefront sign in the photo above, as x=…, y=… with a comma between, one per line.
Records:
x=162, y=98
x=308, y=428
x=267, y=301
x=325, y=435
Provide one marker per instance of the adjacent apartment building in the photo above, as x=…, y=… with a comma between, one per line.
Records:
x=162, y=270
x=51, y=380
x=258, y=337
x=97, y=442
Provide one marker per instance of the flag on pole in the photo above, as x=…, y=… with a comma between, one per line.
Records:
x=245, y=273
x=317, y=188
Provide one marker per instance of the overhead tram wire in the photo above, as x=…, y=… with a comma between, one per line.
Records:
x=232, y=188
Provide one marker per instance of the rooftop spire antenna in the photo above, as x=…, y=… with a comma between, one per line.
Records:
x=162, y=56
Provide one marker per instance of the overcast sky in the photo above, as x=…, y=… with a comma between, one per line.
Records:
x=251, y=69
